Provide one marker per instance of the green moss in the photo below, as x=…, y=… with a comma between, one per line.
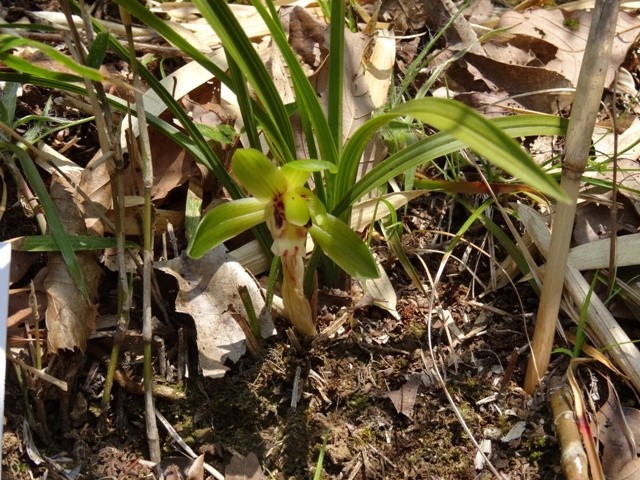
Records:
x=572, y=24
x=401, y=362
x=367, y=435
x=417, y=329
x=359, y=402
x=535, y=447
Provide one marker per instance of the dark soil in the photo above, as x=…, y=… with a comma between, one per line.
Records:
x=343, y=390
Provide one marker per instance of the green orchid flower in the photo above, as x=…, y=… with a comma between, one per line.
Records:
x=291, y=211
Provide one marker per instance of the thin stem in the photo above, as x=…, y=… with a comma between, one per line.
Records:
x=611, y=282
x=144, y=149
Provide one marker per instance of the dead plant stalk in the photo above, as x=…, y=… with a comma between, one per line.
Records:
x=581, y=124
x=111, y=152
x=144, y=149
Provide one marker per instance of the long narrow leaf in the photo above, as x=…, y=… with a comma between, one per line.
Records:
x=306, y=96
x=336, y=71
x=48, y=243
x=225, y=222
x=150, y=19
x=53, y=218
x=245, y=104
x=239, y=46
x=344, y=247
x=464, y=124
x=197, y=144
x=434, y=146
x=9, y=42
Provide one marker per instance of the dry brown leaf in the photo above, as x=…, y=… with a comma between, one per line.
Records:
x=208, y=291
x=593, y=220
x=380, y=292
x=95, y=182
x=512, y=79
x=162, y=217
x=490, y=104
x=308, y=37
x=196, y=470
x=618, y=429
x=549, y=26
x=480, y=11
x=404, y=399
x=172, y=166
x=594, y=255
x=540, y=51
x=407, y=16
x=21, y=262
x=515, y=433
x=379, y=69
x=70, y=316
x=357, y=103
x=244, y=468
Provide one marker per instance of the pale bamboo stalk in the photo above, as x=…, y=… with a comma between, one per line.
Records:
x=582, y=421
x=601, y=326
x=581, y=124
x=573, y=459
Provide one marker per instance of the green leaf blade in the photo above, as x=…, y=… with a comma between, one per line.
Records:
x=344, y=247
x=53, y=218
x=424, y=151
x=98, y=50
x=79, y=243
x=225, y=222
x=9, y=42
x=240, y=48
x=464, y=125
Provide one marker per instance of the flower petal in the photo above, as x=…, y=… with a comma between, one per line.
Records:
x=316, y=207
x=343, y=246
x=225, y=222
x=258, y=174
x=296, y=210
x=290, y=241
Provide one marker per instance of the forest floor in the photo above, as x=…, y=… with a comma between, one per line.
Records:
x=388, y=395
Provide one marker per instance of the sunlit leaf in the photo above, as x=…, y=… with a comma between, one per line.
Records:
x=432, y=147
x=225, y=222
x=344, y=247
x=298, y=171
x=463, y=124
x=48, y=243
x=9, y=42
x=311, y=165
x=224, y=134
x=52, y=215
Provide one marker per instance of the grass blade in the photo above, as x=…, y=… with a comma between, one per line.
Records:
x=53, y=218
x=308, y=104
x=464, y=124
x=336, y=71
x=430, y=148
x=79, y=243
x=240, y=48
